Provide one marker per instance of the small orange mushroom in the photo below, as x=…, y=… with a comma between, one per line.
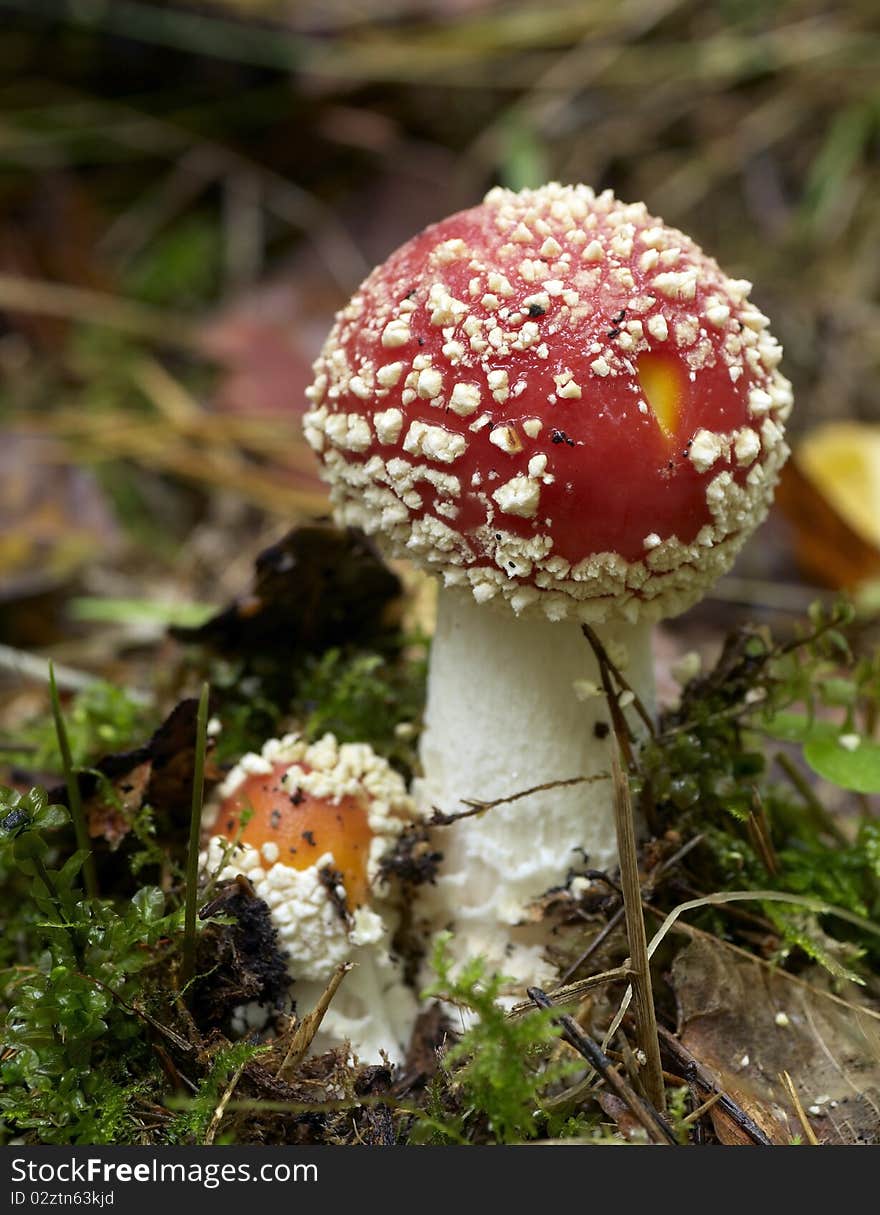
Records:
x=308, y=825
x=302, y=826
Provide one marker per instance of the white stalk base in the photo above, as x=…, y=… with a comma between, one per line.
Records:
x=373, y=1009
x=504, y=715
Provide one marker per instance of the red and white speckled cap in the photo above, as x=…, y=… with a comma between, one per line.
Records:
x=555, y=400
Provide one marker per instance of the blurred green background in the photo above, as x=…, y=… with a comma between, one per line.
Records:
x=188, y=191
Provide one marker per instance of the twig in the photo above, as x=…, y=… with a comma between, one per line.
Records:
x=177, y=1041
x=651, y=1119
x=695, y=1072
x=788, y=1085
x=647, y=890
x=606, y=665
x=217, y=1116
x=195, y=824
x=574, y=993
x=440, y=818
x=598, y=940
x=309, y=1025
x=646, y=1019
x=74, y=801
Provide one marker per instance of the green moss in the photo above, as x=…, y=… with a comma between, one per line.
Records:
x=365, y=697
x=100, y=719
x=494, y=1076
x=711, y=770
x=87, y=981
x=191, y=1123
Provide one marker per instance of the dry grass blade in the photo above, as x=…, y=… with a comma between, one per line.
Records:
x=574, y=994
x=19, y=294
x=789, y=1086
x=646, y=1019
x=310, y=1024
x=207, y=449
x=217, y=1116
x=698, y=1113
x=739, y=896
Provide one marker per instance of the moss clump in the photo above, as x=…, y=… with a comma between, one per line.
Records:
x=729, y=763
x=493, y=1079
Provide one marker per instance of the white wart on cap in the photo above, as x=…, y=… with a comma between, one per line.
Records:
x=556, y=400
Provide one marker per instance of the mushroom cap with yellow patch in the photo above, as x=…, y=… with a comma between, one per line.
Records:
x=556, y=401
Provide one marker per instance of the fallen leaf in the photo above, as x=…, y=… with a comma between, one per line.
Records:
x=748, y=1022
x=830, y=494
x=317, y=587
x=158, y=774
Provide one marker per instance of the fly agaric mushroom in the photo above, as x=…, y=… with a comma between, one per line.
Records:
x=563, y=407
x=308, y=825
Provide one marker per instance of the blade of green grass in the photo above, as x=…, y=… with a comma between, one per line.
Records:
x=192, y=855
x=90, y=880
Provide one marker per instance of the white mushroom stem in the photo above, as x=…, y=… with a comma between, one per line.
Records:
x=506, y=712
x=372, y=1010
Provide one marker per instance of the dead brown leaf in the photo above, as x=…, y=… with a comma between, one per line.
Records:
x=317, y=587
x=748, y=1023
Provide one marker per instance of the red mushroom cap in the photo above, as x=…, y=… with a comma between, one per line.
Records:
x=554, y=398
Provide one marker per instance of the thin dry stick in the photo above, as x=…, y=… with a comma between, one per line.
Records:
x=598, y=940
x=648, y=889
x=606, y=666
x=217, y=1116
x=788, y=1085
x=309, y=1025
x=698, y=1113
x=696, y=1073
x=650, y=1118
x=440, y=819
x=574, y=994
x=646, y=1020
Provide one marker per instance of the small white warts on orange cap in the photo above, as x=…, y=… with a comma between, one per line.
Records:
x=307, y=824
x=555, y=400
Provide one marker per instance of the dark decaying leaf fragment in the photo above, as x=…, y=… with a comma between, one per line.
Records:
x=318, y=587
x=158, y=774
